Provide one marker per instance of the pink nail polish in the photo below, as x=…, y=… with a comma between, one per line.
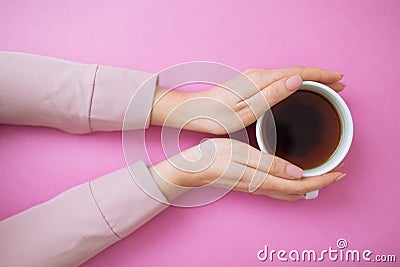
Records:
x=294, y=171
x=341, y=177
x=339, y=73
x=294, y=82
x=339, y=166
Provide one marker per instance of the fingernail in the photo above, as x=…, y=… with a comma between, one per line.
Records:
x=293, y=82
x=343, y=84
x=339, y=73
x=341, y=177
x=294, y=171
x=340, y=166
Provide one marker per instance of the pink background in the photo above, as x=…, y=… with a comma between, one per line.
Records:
x=358, y=38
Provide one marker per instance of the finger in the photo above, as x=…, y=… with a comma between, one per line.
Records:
x=299, y=186
x=256, y=165
x=250, y=180
x=337, y=86
x=277, y=91
x=284, y=169
x=338, y=167
x=242, y=186
x=254, y=159
x=265, y=162
x=242, y=85
x=256, y=181
x=307, y=73
x=284, y=196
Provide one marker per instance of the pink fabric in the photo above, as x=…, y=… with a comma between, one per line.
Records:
x=64, y=231
x=122, y=202
x=114, y=90
x=358, y=38
x=44, y=91
x=79, y=223
x=78, y=98
x=70, y=96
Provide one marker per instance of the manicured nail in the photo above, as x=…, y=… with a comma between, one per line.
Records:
x=343, y=84
x=341, y=177
x=339, y=166
x=294, y=171
x=339, y=73
x=293, y=82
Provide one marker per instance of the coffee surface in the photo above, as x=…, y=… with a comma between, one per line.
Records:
x=307, y=129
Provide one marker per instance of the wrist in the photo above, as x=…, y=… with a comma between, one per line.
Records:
x=165, y=100
x=168, y=180
x=173, y=180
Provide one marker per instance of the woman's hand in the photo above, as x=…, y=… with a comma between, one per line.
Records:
x=219, y=111
x=222, y=110
x=233, y=164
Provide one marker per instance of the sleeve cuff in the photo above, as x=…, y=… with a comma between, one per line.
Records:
x=112, y=92
x=123, y=204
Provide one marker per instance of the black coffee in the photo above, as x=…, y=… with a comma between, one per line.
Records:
x=307, y=129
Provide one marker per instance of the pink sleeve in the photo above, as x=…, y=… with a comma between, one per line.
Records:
x=73, y=97
x=79, y=223
x=78, y=98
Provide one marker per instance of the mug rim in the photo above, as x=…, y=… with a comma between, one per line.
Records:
x=346, y=123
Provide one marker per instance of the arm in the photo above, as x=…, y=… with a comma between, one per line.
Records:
x=79, y=223
x=73, y=97
x=99, y=213
x=78, y=98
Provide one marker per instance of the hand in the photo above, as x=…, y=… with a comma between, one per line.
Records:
x=221, y=111
x=233, y=164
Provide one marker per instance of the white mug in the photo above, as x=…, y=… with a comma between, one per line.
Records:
x=346, y=135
